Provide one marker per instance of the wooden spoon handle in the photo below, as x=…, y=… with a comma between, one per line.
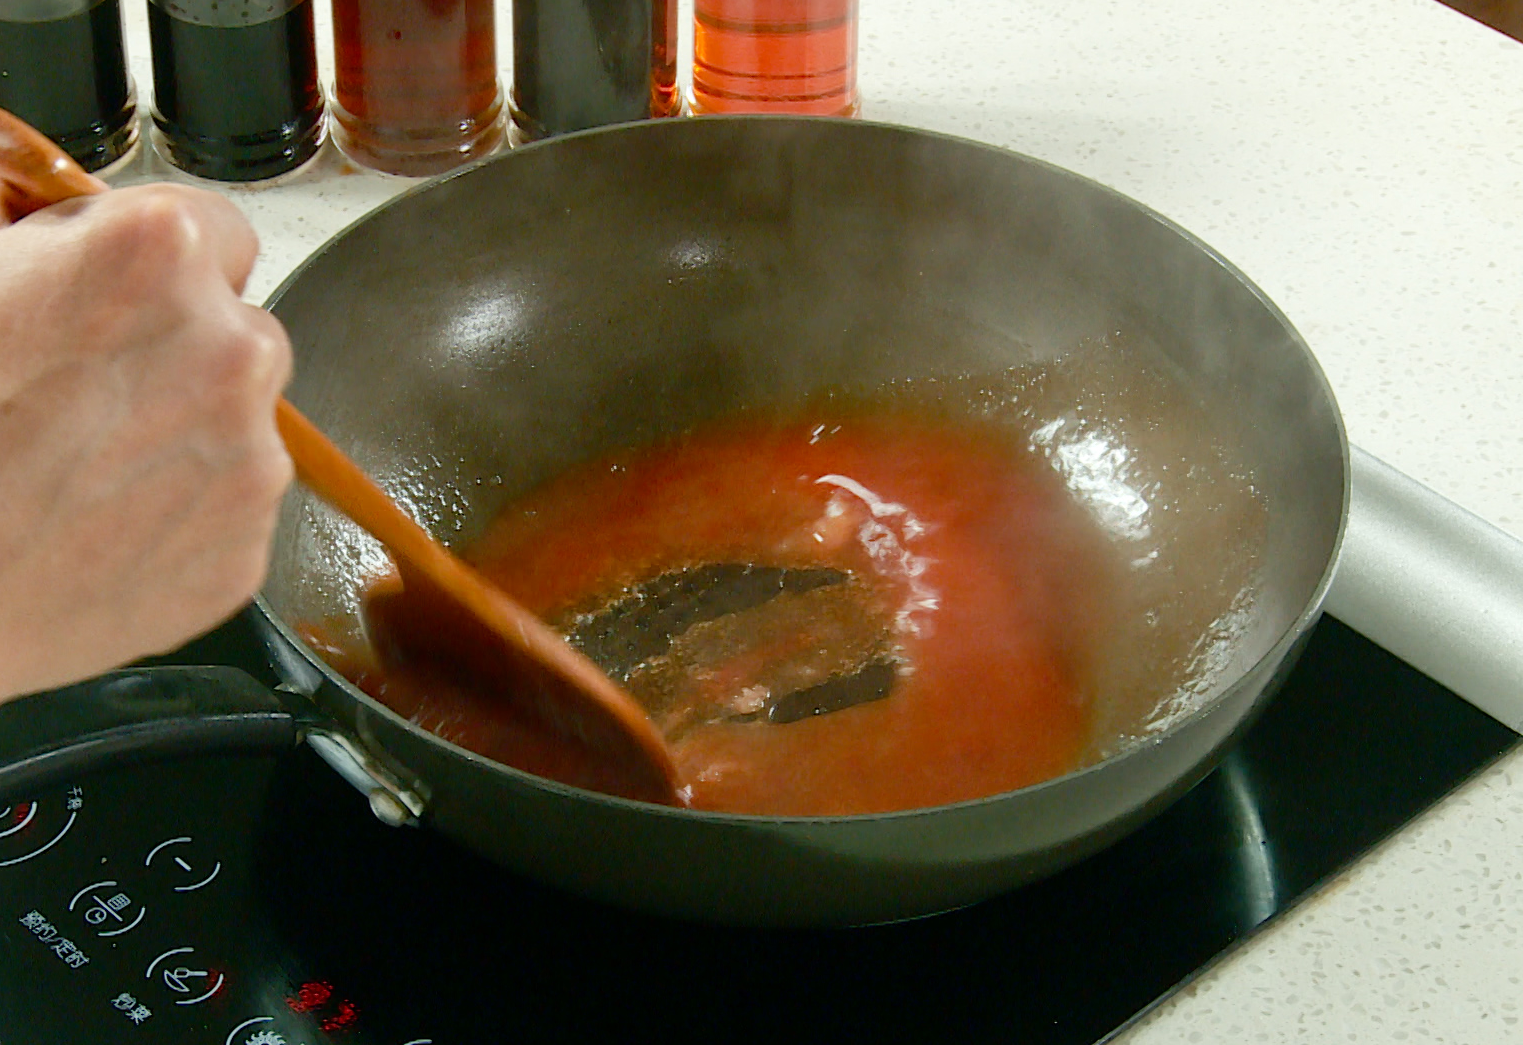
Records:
x=333, y=476
x=35, y=173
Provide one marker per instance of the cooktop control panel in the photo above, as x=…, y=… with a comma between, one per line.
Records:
x=253, y=900
x=126, y=914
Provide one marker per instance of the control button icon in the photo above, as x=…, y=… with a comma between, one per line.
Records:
x=29, y=829
x=244, y=1034
x=196, y=985
x=107, y=908
x=185, y=864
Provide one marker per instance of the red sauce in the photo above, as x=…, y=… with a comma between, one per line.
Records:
x=990, y=577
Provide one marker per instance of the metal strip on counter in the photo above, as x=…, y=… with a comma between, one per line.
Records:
x=1435, y=585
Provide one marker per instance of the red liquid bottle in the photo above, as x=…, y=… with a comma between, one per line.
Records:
x=665, y=99
x=775, y=56
x=63, y=69
x=416, y=90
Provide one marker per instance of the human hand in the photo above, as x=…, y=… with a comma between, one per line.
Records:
x=140, y=467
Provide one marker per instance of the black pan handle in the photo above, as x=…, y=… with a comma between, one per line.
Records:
x=134, y=715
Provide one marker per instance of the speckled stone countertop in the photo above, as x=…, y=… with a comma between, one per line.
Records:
x=1363, y=163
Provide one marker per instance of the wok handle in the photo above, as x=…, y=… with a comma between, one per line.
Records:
x=139, y=714
x=1435, y=585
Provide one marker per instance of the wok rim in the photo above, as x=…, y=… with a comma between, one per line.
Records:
x=1266, y=663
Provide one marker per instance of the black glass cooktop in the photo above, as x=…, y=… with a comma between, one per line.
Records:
x=242, y=900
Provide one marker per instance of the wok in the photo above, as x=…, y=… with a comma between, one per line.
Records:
x=478, y=334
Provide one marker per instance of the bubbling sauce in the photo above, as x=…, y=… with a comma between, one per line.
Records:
x=1004, y=564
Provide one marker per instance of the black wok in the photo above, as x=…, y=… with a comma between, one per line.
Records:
x=476, y=335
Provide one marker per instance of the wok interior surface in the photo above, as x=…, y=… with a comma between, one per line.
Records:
x=475, y=337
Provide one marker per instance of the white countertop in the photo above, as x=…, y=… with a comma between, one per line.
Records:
x=1363, y=163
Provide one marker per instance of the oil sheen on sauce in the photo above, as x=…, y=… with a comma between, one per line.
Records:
x=1024, y=623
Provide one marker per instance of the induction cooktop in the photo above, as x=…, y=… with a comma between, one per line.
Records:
x=253, y=900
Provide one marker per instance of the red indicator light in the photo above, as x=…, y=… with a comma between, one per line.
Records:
x=310, y=995
x=337, y=1013
x=342, y=1019
x=22, y=812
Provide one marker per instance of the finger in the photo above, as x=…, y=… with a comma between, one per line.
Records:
x=209, y=390
x=11, y=204
x=189, y=224
x=276, y=360
x=232, y=240
x=224, y=233
x=245, y=371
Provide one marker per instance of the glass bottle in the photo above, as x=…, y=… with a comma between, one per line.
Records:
x=63, y=69
x=665, y=98
x=416, y=89
x=775, y=56
x=586, y=63
x=235, y=94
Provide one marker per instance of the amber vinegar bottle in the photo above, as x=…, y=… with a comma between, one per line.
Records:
x=416, y=90
x=775, y=56
x=665, y=97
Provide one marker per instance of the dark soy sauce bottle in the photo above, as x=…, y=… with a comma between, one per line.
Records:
x=235, y=94
x=586, y=63
x=63, y=69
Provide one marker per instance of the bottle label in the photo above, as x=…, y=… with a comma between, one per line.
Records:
x=222, y=14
